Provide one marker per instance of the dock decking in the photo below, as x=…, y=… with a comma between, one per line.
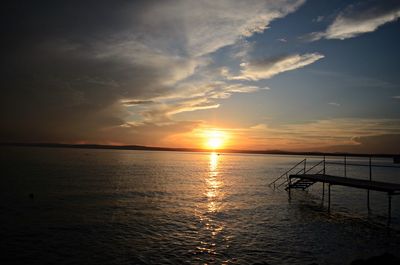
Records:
x=392, y=188
x=301, y=178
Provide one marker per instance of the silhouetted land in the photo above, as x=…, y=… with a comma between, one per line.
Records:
x=153, y=148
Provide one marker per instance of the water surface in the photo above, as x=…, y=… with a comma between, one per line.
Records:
x=145, y=207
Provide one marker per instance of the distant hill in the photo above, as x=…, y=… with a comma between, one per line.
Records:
x=155, y=148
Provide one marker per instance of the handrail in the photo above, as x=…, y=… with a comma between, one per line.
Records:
x=298, y=172
x=320, y=162
x=282, y=183
x=302, y=161
x=359, y=165
x=285, y=174
x=323, y=170
x=305, y=171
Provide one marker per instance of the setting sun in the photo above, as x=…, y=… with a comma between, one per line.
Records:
x=214, y=143
x=215, y=139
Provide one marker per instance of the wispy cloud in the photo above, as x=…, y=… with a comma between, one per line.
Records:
x=191, y=97
x=335, y=104
x=318, y=19
x=358, y=19
x=269, y=67
x=136, y=102
x=327, y=134
x=206, y=26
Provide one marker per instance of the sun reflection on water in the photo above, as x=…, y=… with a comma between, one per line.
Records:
x=212, y=237
x=213, y=184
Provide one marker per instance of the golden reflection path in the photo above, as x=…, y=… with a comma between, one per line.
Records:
x=212, y=238
x=213, y=183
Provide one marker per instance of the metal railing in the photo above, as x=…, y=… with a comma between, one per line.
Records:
x=317, y=164
x=278, y=182
x=284, y=178
x=369, y=165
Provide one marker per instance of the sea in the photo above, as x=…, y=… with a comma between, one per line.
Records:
x=92, y=206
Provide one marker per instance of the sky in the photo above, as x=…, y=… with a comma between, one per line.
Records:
x=276, y=74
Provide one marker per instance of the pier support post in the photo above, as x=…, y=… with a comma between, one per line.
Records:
x=329, y=197
x=389, y=208
x=368, y=201
x=323, y=192
x=370, y=179
x=289, y=188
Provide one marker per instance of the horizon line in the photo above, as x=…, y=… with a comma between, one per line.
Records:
x=188, y=149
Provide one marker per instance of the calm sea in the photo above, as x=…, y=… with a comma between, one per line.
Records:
x=144, y=207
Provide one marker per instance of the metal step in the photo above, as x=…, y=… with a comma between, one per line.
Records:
x=300, y=184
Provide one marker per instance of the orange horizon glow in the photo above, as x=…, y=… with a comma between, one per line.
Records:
x=215, y=139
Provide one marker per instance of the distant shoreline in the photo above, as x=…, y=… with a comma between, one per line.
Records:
x=154, y=148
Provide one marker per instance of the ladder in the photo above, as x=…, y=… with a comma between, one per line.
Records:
x=293, y=182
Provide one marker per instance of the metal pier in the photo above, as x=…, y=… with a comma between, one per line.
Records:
x=299, y=177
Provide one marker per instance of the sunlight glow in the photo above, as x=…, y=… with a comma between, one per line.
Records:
x=214, y=184
x=215, y=139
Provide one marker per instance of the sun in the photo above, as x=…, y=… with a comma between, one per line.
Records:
x=214, y=143
x=214, y=139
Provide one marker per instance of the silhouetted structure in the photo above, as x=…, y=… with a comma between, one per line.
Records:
x=303, y=179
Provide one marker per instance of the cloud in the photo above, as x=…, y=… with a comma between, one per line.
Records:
x=210, y=25
x=333, y=135
x=72, y=71
x=193, y=96
x=318, y=19
x=147, y=133
x=329, y=135
x=137, y=102
x=358, y=19
x=269, y=67
x=335, y=104
x=196, y=28
x=384, y=143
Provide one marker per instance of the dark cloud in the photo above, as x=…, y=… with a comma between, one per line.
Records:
x=68, y=67
x=118, y=71
x=373, y=144
x=387, y=143
x=58, y=82
x=147, y=133
x=138, y=102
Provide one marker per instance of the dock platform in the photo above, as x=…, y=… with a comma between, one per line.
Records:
x=392, y=188
x=300, y=177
